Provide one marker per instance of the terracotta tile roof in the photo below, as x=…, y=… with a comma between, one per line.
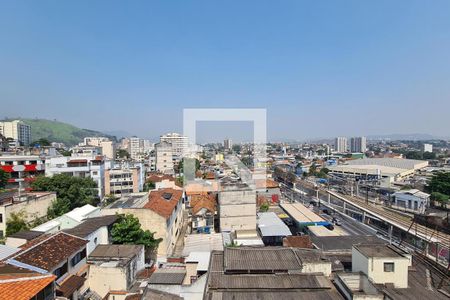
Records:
x=198, y=202
x=163, y=201
x=270, y=184
x=73, y=161
x=52, y=251
x=20, y=283
x=159, y=177
x=70, y=285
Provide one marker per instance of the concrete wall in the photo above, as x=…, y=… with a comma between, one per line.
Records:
x=237, y=210
x=98, y=237
x=102, y=279
x=317, y=267
x=32, y=209
x=373, y=267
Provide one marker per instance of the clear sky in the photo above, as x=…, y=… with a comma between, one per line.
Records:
x=321, y=68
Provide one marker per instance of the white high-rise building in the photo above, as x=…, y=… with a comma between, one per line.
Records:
x=136, y=148
x=358, y=144
x=227, y=144
x=16, y=130
x=340, y=144
x=164, y=158
x=179, y=144
x=427, y=148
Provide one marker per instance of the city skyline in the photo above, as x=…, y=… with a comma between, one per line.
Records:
x=319, y=70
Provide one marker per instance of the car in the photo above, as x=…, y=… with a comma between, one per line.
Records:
x=337, y=222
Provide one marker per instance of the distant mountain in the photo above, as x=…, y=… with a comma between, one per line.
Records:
x=55, y=131
x=404, y=137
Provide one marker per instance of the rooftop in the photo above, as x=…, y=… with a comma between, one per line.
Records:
x=26, y=234
x=121, y=254
x=164, y=201
x=270, y=225
x=199, y=202
x=379, y=250
x=135, y=200
x=343, y=243
x=167, y=276
x=90, y=225
x=52, y=251
x=80, y=213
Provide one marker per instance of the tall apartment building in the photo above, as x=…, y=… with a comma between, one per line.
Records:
x=358, y=144
x=108, y=147
x=179, y=144
x=164, y=158
x=136, y=148
x=340, y=144
x=427, y=148
x=16, y=130
x=227, y=144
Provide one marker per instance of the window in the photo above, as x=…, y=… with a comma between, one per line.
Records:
x=61, y=271
x=389, y=267
x=78, y=257
x=1, y=218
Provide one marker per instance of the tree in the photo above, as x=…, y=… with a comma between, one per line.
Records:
x=236, y=148
x=4, y=176
x=439, y=197
x=440, y=182
x=71, y=192
x=429, y=155
x=41, y=142
x=122, y=153
x=128, y=231
x=15, y=223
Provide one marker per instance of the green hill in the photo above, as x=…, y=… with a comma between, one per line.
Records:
x=55, y=131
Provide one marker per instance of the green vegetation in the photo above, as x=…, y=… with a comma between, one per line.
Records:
x=149, y=185
x=108, y=200
x=122, y=153
x=54, y=131
x=264, y=207
x=4, y=176
x=439, y=187
x=128, y=231
x=416, y=154
x=71, y=192
x=15, y=223
x=41, y=142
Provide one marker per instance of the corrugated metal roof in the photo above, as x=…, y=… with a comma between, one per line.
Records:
x=270, y=225
x=260, y=259
x=167, y=276
x=6, y=251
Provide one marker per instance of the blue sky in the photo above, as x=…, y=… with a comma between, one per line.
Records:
x=320, y=68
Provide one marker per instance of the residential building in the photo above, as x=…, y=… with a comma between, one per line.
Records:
x=178, y=142
x=136, y=148
x=269, y=273
x=114, y=267
x=427, y=148
x=16, y=130
x=4, y=144
x=382, y=264
x=30, y=206
x=202, y=210
x=22, y=169
x=411, y=200
x=25, y=282
x=160, y=211
x=108, y=147
x=124, y=180
x=340, y=144
x=164, y=158
x=69, y=220
x=62, y=255
x=237, y=208
x=162, y=181
x=96, y=230
x=227, y=144
x=358, y=144
x=92, y=166
x=22, y=237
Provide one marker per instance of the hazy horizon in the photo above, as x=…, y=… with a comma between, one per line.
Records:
x=346, y=68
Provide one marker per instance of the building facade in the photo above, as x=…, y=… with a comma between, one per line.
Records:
x=358, y=144
x=124, y=180
x=179, y=144
x=164, y=158
x=16, y=130
x=340, y=144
